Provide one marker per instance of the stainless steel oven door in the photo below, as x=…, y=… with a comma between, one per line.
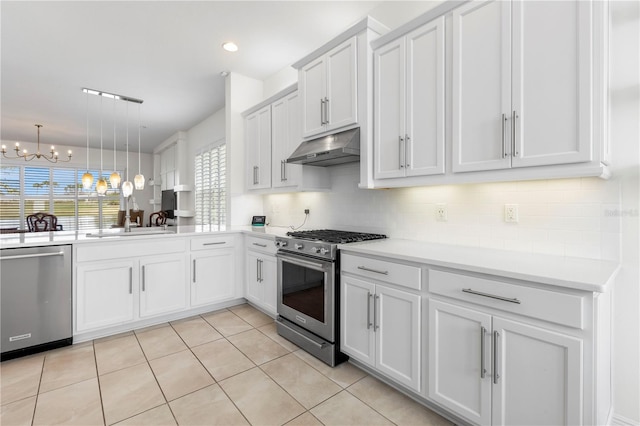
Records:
x=306, y=293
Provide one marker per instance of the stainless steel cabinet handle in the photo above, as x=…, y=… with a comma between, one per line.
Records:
x=504, y=131
x=514, y=141
x=496, y=376
x=400, y=150
x=364, y=268
x=260, y=245
x=483, y=371
x=130, y=280
x=369, y=295
x=322, y=112
x=194, y=270
x=214, y=244
x=493, y=296
x=26, y=256
x=260, y=266
x=258, y=270
x=407, y=140
x=376, y=320
x=283, y=170
x=143, y=278
x=326, y=110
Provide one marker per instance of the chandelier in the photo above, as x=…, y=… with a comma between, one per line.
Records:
x=52, y=157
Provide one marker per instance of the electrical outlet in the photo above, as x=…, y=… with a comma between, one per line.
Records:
x=511, y=213
x=441, y=212
x=306, y=211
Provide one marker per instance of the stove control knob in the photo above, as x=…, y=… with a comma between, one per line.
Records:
x=315, y=250
x=299, y=246
x=323, y=251
x=281, y=243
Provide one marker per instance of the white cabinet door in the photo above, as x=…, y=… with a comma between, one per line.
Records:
x=389, y=110
x=279, y=142
x=104, y=293
x=481, y=82
x=212, y=276
x=292, y=172
x=356, y=319
x=342, y=85
x=398, y=334
x=424, y=144
x=255, y=291
x=540, y=366
x=312, y=81
x=552, y=87
x=262, y=280
x=455, y=361
x=258, y=146
x=162, y=284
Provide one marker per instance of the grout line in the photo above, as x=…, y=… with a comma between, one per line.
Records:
x=35, y=404
x=95, y=359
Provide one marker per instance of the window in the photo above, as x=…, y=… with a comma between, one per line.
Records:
x=210, y=184
x=25, y=190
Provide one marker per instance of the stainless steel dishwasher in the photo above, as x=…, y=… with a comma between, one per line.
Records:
x=35, y=289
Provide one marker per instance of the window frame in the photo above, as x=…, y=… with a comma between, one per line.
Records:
x=219, y=202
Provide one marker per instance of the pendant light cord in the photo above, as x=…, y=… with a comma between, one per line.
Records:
x=114, y=136
x=139, y=139
x=87, y=132
x=127, y=141
x=101, y=137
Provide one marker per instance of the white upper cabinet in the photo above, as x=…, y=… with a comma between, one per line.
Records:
x=329, y=90
x=409, y=106
x=258, y=148
x=522, y=84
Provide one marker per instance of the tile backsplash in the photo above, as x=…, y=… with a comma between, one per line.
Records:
x=569, y=217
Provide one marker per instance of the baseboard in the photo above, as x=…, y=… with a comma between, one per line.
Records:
x=618, y=420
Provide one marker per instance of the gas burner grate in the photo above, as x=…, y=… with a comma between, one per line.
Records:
x=335, y=236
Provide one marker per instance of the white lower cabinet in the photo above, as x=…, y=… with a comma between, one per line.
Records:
x=380, y=326
x=261, y=274
x=212, y=276
x=104, y=294
x=493, y=370
x=162, y=284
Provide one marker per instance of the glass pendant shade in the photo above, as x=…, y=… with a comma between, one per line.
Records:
x=115, y=180
x=127, y=188
x=87, y=180
x=101, y=186
x=139, y=181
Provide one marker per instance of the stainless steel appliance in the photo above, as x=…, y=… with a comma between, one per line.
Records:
x=35, y=288
x=309, y=290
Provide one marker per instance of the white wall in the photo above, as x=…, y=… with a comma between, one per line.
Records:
x=203, y=134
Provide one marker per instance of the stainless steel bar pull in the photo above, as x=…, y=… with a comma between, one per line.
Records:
x=376, y=320
x=496, y=347
x=260, y=245
x=257, y=270
x=260, y=264
x=130, y=280
x=326, y=110
x=369, y=324
x=322, y=122
x=194, y=270
x=483, y=370
x=407, y=140
x=492, y=296
x=143, y=278
x=214, y=243
x=400, y=151
x=514, y=132
x=504, y=140
x=364, y=268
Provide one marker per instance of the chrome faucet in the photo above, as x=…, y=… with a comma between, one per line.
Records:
x=127, y=217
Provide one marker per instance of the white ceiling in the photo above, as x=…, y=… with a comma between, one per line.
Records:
x=167, y=53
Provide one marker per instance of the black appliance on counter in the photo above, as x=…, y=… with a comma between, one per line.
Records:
x=309, y=289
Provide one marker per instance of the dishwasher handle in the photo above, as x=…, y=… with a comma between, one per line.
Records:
x=27, y=256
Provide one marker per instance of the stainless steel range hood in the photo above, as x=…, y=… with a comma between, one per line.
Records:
x=339, y=148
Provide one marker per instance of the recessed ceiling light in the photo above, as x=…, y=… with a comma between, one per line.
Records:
x=230, y=46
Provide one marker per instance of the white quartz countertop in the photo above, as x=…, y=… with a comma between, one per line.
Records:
x=569, y=272
x=32, y=239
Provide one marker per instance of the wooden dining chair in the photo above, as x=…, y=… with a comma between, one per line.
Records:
x=157, y=218
x=43, y=222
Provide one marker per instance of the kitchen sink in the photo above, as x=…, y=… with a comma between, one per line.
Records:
x=119, y=232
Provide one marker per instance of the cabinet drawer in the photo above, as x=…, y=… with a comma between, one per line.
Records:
x=555, y=307
x=261, y=244
x=208, y=243
x=391, y=272
x=123, y=248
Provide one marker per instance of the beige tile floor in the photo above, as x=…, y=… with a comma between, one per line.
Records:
x=228, y=367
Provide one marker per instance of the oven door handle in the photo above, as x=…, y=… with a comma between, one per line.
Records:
x=302, y=262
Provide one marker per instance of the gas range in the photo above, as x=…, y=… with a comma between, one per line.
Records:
x=321, y=243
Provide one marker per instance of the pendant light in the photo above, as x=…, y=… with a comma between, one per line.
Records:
x=139, y=178
x=115, y=176
x=101, y=185
x=127, y=186
x=87, y=178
